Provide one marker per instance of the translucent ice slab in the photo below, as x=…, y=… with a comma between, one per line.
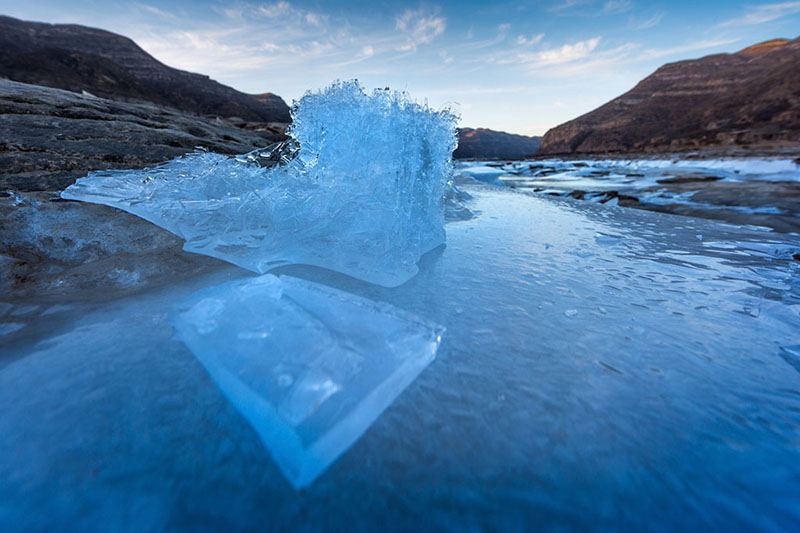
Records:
x=310, y=367
x=362, y=193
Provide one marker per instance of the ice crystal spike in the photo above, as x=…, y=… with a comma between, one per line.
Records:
x=308, y=366
x=357, y=190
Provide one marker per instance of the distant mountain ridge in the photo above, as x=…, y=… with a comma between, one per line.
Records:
x=78, y=58
x=747, y=99
x=482, y=143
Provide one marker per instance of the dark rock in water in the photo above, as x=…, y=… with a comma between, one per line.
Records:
x=622, y=200
x=772, y=204
x=483, y=143
x=51, y=137
x=689, y=178
x=747, y=100
x=77, y=58
x=578, y=194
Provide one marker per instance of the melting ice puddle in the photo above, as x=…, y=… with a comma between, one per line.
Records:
x=310, y=367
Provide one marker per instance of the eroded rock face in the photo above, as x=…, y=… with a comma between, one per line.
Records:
x=750, y=99
x=77, y=58
x=52, y=137
x=482, y=143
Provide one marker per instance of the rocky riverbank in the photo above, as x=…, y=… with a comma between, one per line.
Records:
x=52, y=137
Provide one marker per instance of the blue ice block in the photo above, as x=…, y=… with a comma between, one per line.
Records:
x=310, y=367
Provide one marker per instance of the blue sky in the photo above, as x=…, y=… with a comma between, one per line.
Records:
x=521, y=67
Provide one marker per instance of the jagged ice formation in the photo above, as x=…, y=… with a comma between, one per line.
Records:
x=360, y=191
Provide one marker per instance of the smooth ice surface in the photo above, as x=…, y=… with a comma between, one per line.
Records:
x=310, y=367
x=362, y=194
x=603, y=369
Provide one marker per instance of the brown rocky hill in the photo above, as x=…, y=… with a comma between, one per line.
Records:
x=750, y=99
x=77, y=58
x=483, y=143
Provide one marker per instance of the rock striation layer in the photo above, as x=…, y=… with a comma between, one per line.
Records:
x=77, y=58
x=750, y=99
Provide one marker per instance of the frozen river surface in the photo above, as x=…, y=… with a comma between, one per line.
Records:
x=601, y=368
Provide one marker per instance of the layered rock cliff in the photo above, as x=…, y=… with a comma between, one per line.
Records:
x=750, y=99
x=77, y=58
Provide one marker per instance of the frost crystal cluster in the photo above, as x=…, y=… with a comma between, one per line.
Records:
x=359, y=192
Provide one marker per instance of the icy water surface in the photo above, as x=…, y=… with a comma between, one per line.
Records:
x=601, y=368
x=749, y=191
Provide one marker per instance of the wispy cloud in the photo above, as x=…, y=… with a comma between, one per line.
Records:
x=587, y=57
x=764, y=13
x=502, y=30
x=564, y=5
x=279, y=35
x=587, y=61
x=644, y=24
x=530, y=41
x=566, y=53
x=419, y=27
x=155, y=11
x=617, y=6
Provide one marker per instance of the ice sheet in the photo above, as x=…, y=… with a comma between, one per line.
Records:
x=310, y=367
x=361, y=194
x=603, y=368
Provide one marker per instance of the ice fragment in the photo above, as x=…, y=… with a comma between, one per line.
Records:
x=309, y=367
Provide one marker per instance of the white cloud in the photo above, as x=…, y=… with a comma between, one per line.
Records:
x=314, y=19
x=275, y=10
x=502, y=30
x=567, y=52
x=765, y=13
x=418, y=27
x=530, y=41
